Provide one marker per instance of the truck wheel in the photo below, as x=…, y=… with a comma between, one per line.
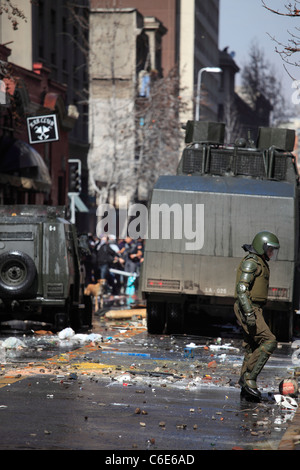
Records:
x=155, y=317
x=174, y=318
x=17, y=273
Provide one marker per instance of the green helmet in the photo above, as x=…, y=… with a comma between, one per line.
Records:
x=266, y=243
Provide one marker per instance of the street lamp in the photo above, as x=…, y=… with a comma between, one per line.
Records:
x=205, y=69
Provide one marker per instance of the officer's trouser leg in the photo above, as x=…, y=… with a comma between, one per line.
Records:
x=258, y=358
x=259, y=343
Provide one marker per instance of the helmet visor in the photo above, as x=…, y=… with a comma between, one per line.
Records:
x=271, y=252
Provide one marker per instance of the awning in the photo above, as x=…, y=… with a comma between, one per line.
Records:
x=25, y=183
x=19, y=159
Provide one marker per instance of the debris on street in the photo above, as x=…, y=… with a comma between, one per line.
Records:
x=125, y=357
x=129, y=313
x=286, y=402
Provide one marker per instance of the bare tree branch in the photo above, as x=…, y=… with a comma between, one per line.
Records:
x=13, y=12
x=291, y=11
x=287, y=51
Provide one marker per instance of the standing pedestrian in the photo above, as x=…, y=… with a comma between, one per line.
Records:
x=105, y=257
x=128, y=253
x=251, y=294
x=91, y=262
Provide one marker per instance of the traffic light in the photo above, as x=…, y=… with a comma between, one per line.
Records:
x=74, y=176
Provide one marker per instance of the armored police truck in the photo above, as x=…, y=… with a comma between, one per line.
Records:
x=219, y=199
x=41, y=277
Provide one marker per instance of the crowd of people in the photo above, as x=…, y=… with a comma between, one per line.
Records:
x=116, y=260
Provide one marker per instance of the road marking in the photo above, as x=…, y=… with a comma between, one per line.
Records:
x=8, y=380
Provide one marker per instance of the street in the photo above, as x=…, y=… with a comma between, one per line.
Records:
x=148, y=154
x=125, y=390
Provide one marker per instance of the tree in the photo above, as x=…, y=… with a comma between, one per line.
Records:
x=259, y=79
x=231, y=119
x=287, y=51
x=13, y=13
x=159, y=133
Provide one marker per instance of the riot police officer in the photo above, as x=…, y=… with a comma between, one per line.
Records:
x=251, y=294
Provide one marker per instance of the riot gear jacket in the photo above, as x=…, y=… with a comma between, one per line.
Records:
x=252, y=282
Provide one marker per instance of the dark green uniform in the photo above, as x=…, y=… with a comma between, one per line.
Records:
x=251, y=294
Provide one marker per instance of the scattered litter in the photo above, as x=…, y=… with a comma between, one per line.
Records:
x=189, y=349
x=212, y=364
x=126, y=313
x=289, y=387
x=217, y=347
x=191, y=345
x=73, y=376
x=43, y=332
x=124, y=378
x=69, y=334
x=296, y=354
x=84, y=338
x=285, y=417
x=188, y=352
x=66, y=333
x=13, y=343
x=286, y=402
x=296, y=357
x=181, y=426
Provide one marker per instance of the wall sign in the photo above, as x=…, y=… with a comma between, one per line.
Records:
x=42, y=129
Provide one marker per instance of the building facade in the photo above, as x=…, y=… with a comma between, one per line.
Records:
x=32, y=173
x=47, y=55
x=130, y=43
x=190, y=43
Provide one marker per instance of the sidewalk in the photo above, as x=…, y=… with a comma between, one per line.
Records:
x=291, y=438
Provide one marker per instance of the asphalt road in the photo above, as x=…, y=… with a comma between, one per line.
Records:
x=135, y=393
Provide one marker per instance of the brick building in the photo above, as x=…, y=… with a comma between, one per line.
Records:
x=32, y=173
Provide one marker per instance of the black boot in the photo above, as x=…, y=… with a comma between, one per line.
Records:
x=248, y=379
x=249, y=388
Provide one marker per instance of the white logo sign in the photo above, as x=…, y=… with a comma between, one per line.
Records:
x=42, y=129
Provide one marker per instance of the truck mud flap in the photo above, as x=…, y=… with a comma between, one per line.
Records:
x=174, y=318
x=156, y=317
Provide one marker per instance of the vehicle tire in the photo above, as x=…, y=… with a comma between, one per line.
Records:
x=17, y=273
x=155, y=317
x=174, y=318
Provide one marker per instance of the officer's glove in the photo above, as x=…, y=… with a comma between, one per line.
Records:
x=250, y=319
